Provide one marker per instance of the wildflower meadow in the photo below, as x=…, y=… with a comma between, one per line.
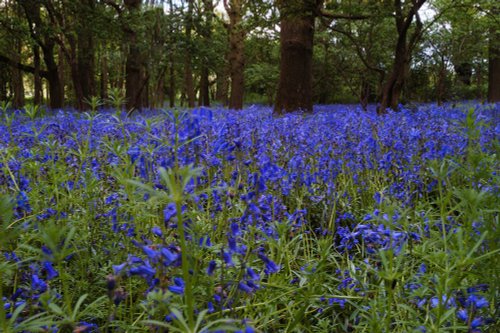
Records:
x=212, y=220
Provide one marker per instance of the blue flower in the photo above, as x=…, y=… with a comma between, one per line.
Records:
x=157, y=231
x=144, y=271
x=178, y=287
x=49, y=269
x=212, y=265
x=462, y=315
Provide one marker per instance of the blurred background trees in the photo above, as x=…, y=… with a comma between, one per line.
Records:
x=230, y=52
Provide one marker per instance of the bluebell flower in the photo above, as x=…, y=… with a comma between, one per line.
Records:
x=169, y=212
x=477, y=322
x=157, y=231
x=252, y=275
x=117, y=269
x=271, y=266
x=228, y=258
x=38, y=284
x=178, y=287
x=212, y=265
x=144, y=271
x=244, y=287
x=462, y=315
x=49, y=269
x=152, y=254
x=169, y=256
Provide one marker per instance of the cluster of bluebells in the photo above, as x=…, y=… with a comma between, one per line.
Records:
x=253, y=166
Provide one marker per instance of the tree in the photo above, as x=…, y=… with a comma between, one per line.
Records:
x=296, y=50
x=41, y=34
x=206, y=34
x=402, y=53
x=236, y=55
x=188, y=66
x=134, y=81
x=494, y=57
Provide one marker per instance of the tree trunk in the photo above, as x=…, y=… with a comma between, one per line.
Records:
x=464, y=73
x=441, y=84
x=86, y=57
x=296, y=50
x=171, y=74
x=236, y=54
x=188, y=70
x=3, y=81
x=391, y=91
x=394, y=84
x=364, y=94
x=56, y=89
x=17, y=79
x=104, y=74
x=206, y=32
x=494, y=64
x=222, y=88
x=37, y=78
x=133, y=66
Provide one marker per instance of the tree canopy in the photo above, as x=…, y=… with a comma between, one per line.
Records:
x=291, y=54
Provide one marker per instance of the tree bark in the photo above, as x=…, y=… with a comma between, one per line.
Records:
x=47, y=44
x=104, y=74
x=56, y=89
x=86, y=52
x=171, y=86
x=494, y=62
x=37, y=78
x=393, y=87
x=3, y=81
x=208, y=11
x=236, y=55
x=133, y=66
x=296, y=50
x=188, y=70
x=17, y=79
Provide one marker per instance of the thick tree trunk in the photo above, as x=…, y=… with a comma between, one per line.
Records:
x=391, y=90
x=17, y=80
x=133, y=66
x=86, y=51
x=37, y=78
x=494, y=66
x=440, y=84
x=86, y=64
x=159, y=93
x=104, y=74
x=222, y=86
x=236, y=55
x=56, y=88
x=394, y=84
x=364, y=93
x=464, y=73
x=144, y=90
x=296, y=49
x=188, y=70
x=204, y=87
x=3, y=81
x=171, y=86
x=206, y=32
x=62, y=70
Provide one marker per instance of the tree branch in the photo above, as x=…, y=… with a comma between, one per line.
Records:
x=23, y=67
x=359, y=52
x=337, y=16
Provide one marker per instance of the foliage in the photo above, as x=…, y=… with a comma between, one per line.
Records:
x=213, y=220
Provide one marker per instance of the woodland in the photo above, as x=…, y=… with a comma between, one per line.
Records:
x=213, y=166
x=290, y=54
